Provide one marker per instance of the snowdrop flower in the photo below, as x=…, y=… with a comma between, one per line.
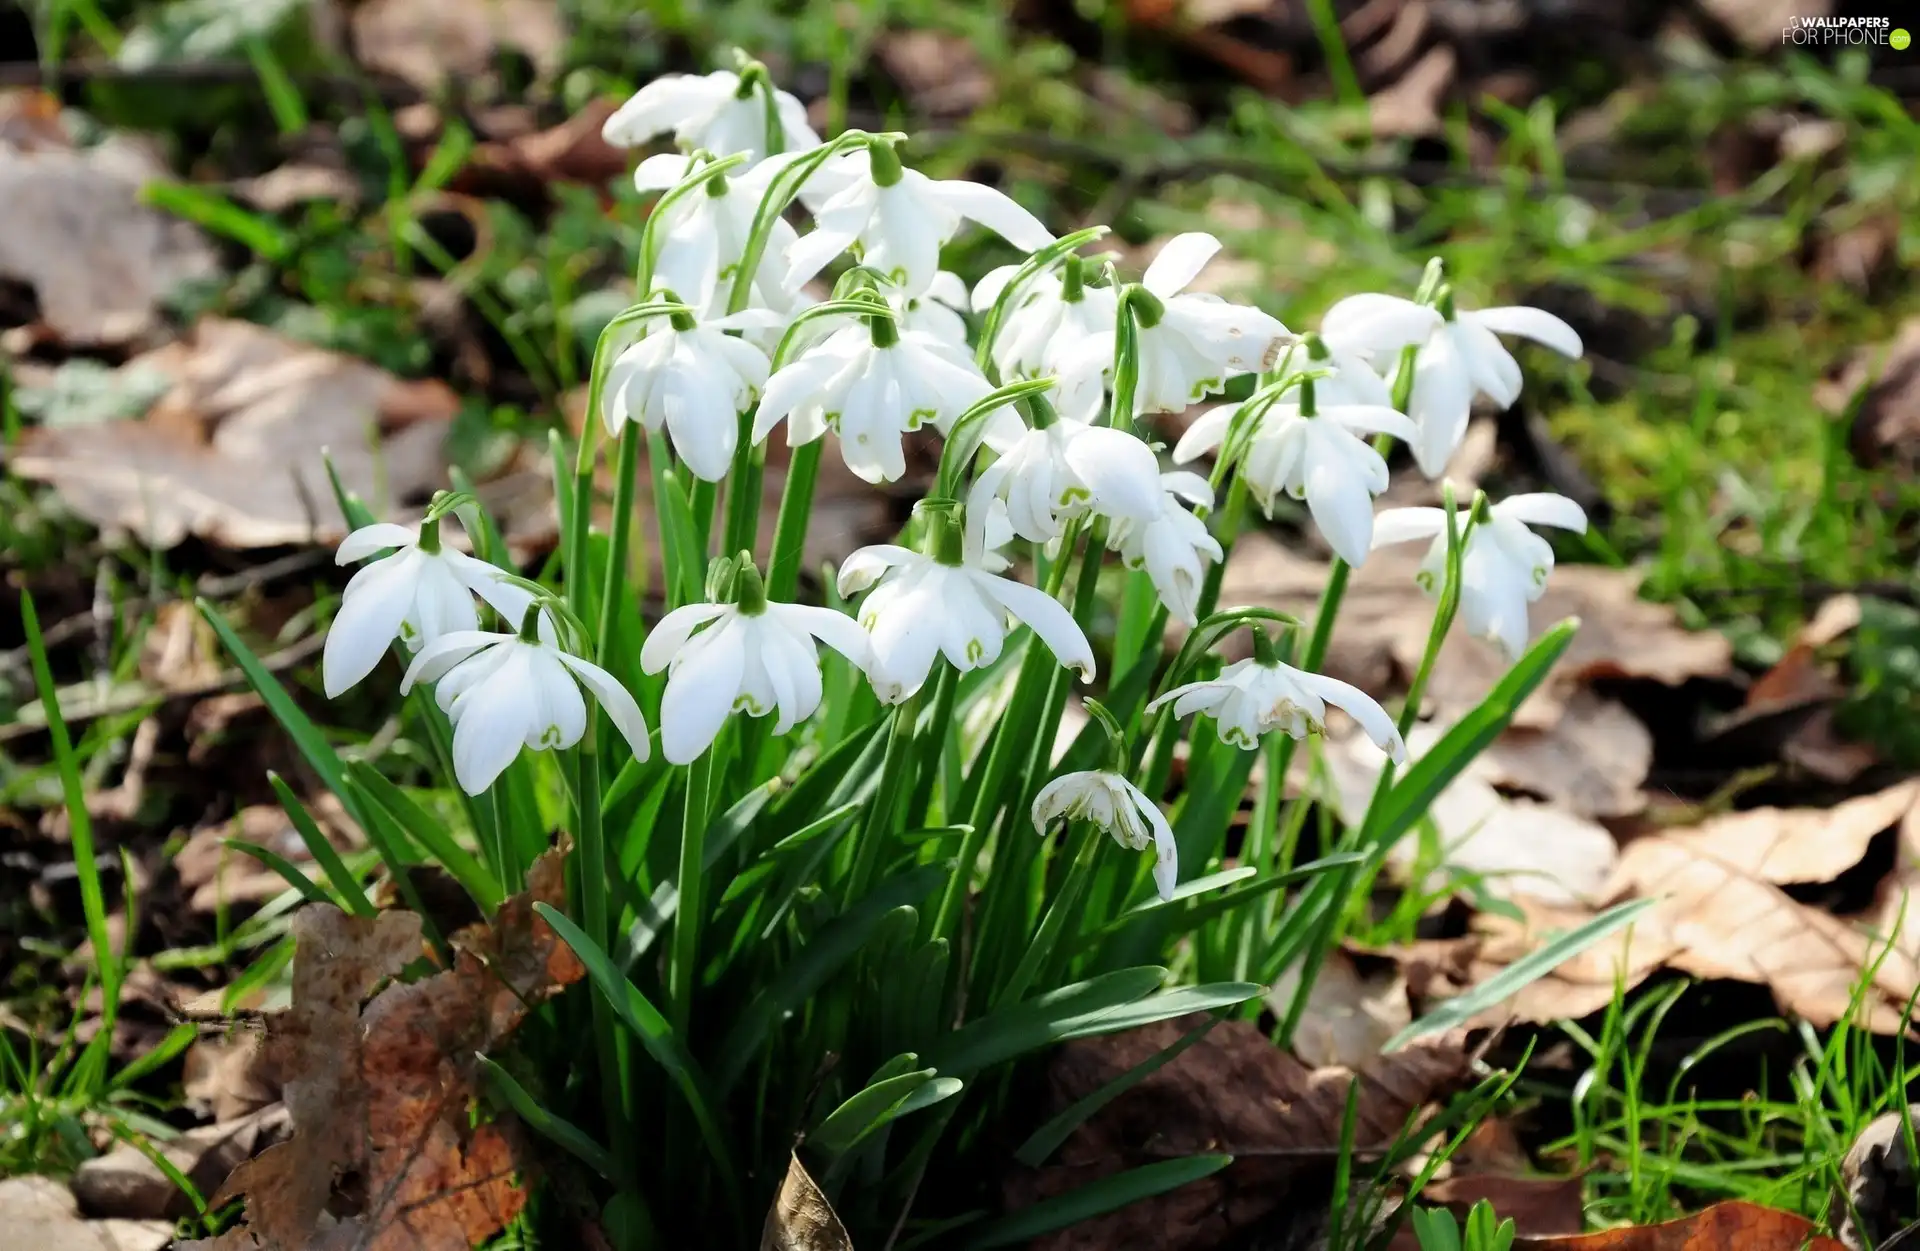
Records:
x=1190, y=342
x=1253, y=696
x=1051, y=473
x=703, y=236
x=1312, y=451
x=507, y=691
x=1050, y=320
x=937, y=312
x=417, y=594
x=896, y=220
x=748, y=656
x=1109, y=802
x=1363, y=336
x=1174, y=547
x=870, y=384
x=1504, y=567
x=693, y=379
x=723, y=112
x=1463, y=358
x=951, y=603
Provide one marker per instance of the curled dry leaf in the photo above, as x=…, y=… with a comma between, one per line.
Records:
x=232, y=453
x=1233, y=1092
x=1785, y=846
x=383, y=1091
x=99, y=261
x=801, y=1219
x=1879, y=1179
x=1732, y=1226
x=1356, y=1004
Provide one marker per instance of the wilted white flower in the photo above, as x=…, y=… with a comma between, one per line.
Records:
x=1051, y=318
x=692, y=379
x=1109, y=802
x=1253, y=696
x=870, y=385
x=721, y=112
x=1504, y=567
x=751, y=656
x=1190, y=342
x=417, y=594
x=507, y=691
x=1051, y=473
x=1174, y=547
x=896, y=220
x=951, y=604
x=1462, y=358
x=1318, y=457
x=702, y=237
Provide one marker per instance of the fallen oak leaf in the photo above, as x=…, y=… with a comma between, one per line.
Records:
x=801, y=1219
x=400, y=1075
x=1733, y=1226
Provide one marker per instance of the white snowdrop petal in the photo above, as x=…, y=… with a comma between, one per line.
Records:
x=995, y=210
x=445, y=652
x=1179, y=262
x=492, y=722
x=1531, y=323
x=1543, y=508
x=369, y=539
x=673, y=631
x=366, y=626
x=1402, y=525
x=836, y=629
x=1356, y=703
x=1339, y=502
x=1046, y=617
x=698, y=698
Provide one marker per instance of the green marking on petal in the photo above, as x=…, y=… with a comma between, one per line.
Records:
x=975, y=650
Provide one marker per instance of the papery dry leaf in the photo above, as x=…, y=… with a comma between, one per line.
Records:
x=1234, y=1092
x=396, y=1078
x=941, y=74
x=1886, y=427
x=1789, y=845
x=432, y=42
x=1734, y=1226
x=1411, y=106
x=1517, y=847
x=216, y=876
x=42, y=1214
x=232, y=453
x=1875, y=1200
x=99, y=261
x=1351, y=1011
x=801, y=1219
x=1591, y=763
x=523, y=166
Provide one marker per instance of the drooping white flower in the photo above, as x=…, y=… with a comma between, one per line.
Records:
x=505, y=691
x=870, y=385
x=896, y=219
x=1190, y=342
x=702, y=237
x=1174, y=547
x=1111, y=803
x=1258, y=694
x=1049, y=474
x=1504, y=567
x=751, y=656
x=720, y=112
x=1050, y=320
x=937, y=312
x=1463, y=358
x=419, y=593
x=924, y=606
x=1365, y=333
x=1319, y=458
x=692, y=379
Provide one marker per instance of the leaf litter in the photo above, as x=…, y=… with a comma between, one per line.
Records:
x=379, y=1090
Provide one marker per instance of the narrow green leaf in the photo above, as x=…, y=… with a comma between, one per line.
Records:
x=555, y=1129
x=867, y=1111
x=308, y=888
x=1523, y=972
x=214, y=212
x=1109, y=1194
x=679, y=532
x=655, y=1034
x=321, y=848
x=1034, y=1023
x=428, y=834
x=813, y=964
x=1164, y=1006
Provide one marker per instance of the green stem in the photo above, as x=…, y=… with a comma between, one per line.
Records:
x=790, y=530
x=590, y=884
x=704, y=504
x=932, y=743
x=1262, y=846
x=1066, y=903
x=684, y=971
x=743, y=490
x=886, y=799
x=626, y=474
x=579, y=591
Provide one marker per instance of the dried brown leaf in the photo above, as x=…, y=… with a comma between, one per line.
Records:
x=430, y=43
x=99, y=260
x=1735, y=1226
x=1537, y=1206
x=232, y=453
x=1886, y=426
x=1356, y=1004
x=41, y=1213
x=801, y=1219
x=382, y=1092
x=1234, y=1092
x=1790, y=845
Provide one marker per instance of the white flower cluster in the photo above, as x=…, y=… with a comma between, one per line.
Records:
x=729, y=344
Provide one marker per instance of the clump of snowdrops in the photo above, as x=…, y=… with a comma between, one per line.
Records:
x=828, y=894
